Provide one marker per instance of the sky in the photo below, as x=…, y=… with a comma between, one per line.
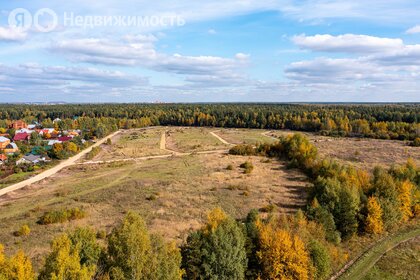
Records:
x=210, y=51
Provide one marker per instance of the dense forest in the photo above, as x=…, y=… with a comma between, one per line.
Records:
x=390, y=121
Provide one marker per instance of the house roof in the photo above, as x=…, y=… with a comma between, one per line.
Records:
x=32, y=158
x=11, y=146
x=64, y=138
x=4, y=139
x=21, y=136
x=3, y=157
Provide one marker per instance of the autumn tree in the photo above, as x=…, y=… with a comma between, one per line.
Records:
x=217, y=251
x=374, y=223
x=405, y=190
x=133, y=254
x=282, y=255
x=64, y=262
x=18, y=267
x=320, y=259
x=385, y=190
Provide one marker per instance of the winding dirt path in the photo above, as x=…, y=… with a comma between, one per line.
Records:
x=47, y=173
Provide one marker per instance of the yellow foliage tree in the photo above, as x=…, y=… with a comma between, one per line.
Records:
x=64, y=263
x=18, y=267
x=405, y=190
x=374, y=223
x=214, y=219
x=281, y=255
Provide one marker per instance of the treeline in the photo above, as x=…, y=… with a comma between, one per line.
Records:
x=346, y=200
x=225, y=249
x=398, y=121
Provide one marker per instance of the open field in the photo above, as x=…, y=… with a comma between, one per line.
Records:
x=192, y=139
x=364, y=153
x=245, y=136
x=365, y=263
x=133, y=143
x=172, y=194
x=402, y=263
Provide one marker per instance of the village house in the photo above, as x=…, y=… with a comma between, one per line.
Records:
x=32, y=159
x=24, y=130
x=11, y=148
x=4, y=142
x=64, y=138
x=18, y=125
x=22, y=137
x=52, y=142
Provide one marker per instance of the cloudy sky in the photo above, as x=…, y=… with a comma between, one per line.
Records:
x=210, y=51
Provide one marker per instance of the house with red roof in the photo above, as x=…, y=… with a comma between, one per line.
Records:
x=64, y=138
x=22, y=137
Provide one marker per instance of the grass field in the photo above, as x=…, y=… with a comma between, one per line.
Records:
x=367, y=261
x=192, y=139
x=364, y=153
x=173, y=195
x=245, y=136
x=132, y=144
x=402, y=263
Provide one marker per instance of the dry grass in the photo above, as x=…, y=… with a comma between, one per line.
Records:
x=193, y=139
x=132, y=144
x=363, y=153
x=400, y=263
x=184, y=189
x=245, y=136
x=172, y=194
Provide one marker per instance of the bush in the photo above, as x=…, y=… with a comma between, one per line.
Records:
x=270, y=208
x=243, y=150
x=62, y=216
x=416, y=142
x=93, y=153
x=25, y=230
x=229, y=167
x=247, y=166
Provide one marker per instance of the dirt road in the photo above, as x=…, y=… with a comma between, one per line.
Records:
x=55, y=169
x=220, y=138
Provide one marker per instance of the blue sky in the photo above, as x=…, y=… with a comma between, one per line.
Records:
x=217, y=51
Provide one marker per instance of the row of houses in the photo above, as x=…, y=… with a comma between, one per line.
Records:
x=23, y=133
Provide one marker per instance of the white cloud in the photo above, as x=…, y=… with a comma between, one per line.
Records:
x=42, y=81
x=347, y=43
x=413, y=30
x=140, y=51
x=385, y=67
x=12, y=34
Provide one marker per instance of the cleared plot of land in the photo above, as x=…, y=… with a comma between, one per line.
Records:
x=401, y=263
x=172, y=194
x=245, y=136
x=365, y=153
x=193, y=139
x=132, y=144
